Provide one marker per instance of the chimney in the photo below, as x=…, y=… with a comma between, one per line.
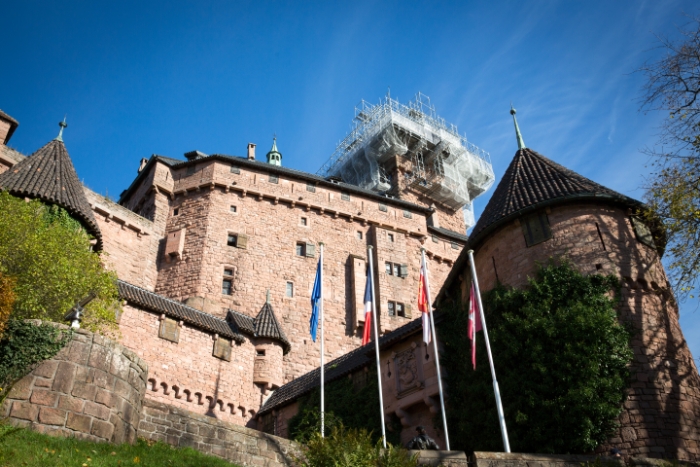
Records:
x=142, y=164
x=194, y=155
x=433, y=217
x=251, y=151
x=8, y=125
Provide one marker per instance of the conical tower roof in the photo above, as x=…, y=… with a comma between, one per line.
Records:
x=49, y=175
x=533, y=181
x=266, y=325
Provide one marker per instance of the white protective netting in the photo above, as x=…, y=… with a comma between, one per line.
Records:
x=446, y=168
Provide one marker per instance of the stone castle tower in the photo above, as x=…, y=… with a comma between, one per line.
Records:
x=542, y=210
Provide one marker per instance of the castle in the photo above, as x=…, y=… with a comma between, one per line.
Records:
x=216, y=257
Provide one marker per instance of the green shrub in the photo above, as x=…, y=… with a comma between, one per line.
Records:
x=561, y=359
x=47, y=253
x=23, y=346
x=345, y=447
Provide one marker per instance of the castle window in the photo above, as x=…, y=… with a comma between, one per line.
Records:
x=191, y=169
x=237, y=240
x=304, y=221
x=176, y=211
x=235, y=169
x=391, y=237
x=273, y=178
x=434, y=238
x=222, y=349
x=407, y=214
x=345, y=196
x=226, y=287
x=400, y=310
x=311, y=188
x=536, y=228
x=169, y=330
x=391, y=308
x=382, y=207
x=234, y=209
x=306, y=249
x=259, y=353
x=228, y=272
x=389, y=269
x=290, y=289
x=396, y=269
x=455, y=245
x=359, y=235
x=642, y=232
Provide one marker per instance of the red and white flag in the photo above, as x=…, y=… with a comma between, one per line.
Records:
x=423, y=304
x=474, y=325
x=368, y=312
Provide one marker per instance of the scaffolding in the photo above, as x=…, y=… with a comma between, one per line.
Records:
x=444, y=166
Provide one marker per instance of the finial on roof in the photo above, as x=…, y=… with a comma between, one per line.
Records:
x=62, y=124
x=274, y=157
x=518, y=136
x=267, y=299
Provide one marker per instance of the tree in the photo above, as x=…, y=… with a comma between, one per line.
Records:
x=561, y=357
x=47, y=254
x=673, y=190
x=7, y=300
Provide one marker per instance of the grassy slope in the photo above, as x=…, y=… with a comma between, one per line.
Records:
x=20, y=447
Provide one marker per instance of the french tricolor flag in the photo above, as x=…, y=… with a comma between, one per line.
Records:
x=368, y=312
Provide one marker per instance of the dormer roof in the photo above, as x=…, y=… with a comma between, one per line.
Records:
x=49, y=175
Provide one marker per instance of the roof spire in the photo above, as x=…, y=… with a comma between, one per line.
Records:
x=63, y=125
x=274, y=157
x=267, y=299
x=518, y=136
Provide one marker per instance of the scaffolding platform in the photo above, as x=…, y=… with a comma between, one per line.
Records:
x=445, y=167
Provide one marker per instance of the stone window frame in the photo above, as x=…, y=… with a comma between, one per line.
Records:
x=311, y=187
x=398, y=309
x=345, y=196
x=359, y=235
x=259, y=352
x=191, y=170
x=176, y=211
x=304, y=221
x=289, y=289
x=383, y=207
x=235, y=170
x=434, y=238
x=227, y=281
x=390, y=236
x=273, y=178
x=407, y=214
x=233, y=209
x=454, y=245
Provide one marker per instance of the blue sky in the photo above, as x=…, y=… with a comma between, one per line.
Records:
x=138, y=78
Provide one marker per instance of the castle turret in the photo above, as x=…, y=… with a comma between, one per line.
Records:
x=49, y=175
x=270, y=346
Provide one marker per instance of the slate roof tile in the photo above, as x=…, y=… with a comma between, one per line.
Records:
x=49, y=175
x=266, y=325
x=159, y=304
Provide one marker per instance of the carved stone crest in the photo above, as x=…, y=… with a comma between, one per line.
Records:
x=408, y=371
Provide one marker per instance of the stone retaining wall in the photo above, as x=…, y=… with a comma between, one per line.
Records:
x=244, y=446
x=503, y=459
x=92, y=389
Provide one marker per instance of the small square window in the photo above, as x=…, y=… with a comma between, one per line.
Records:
x=228, y=272
x=311, y=188
x=359, y=235
x=191, y=169
x=397, y=269
x=434, y=237
x=259, y=353
x=226, y=287
x=536, y=228
x=407, y=214
x=235, y=169
x=232, y=240
x=390, y=237
x=273, y=178
x=290, y=289
x=389, y=269
x=391, y=308
x=301, y=249
x=176, y=211
x=233, y=209
x=400, y=310
x=345, y=196
x=304, y=221
x=382, y=207
x=455, y=246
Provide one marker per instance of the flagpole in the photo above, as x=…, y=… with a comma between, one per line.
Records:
x=376, y=341
x=435, y=347
x=499, y=405
x=323, y=402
